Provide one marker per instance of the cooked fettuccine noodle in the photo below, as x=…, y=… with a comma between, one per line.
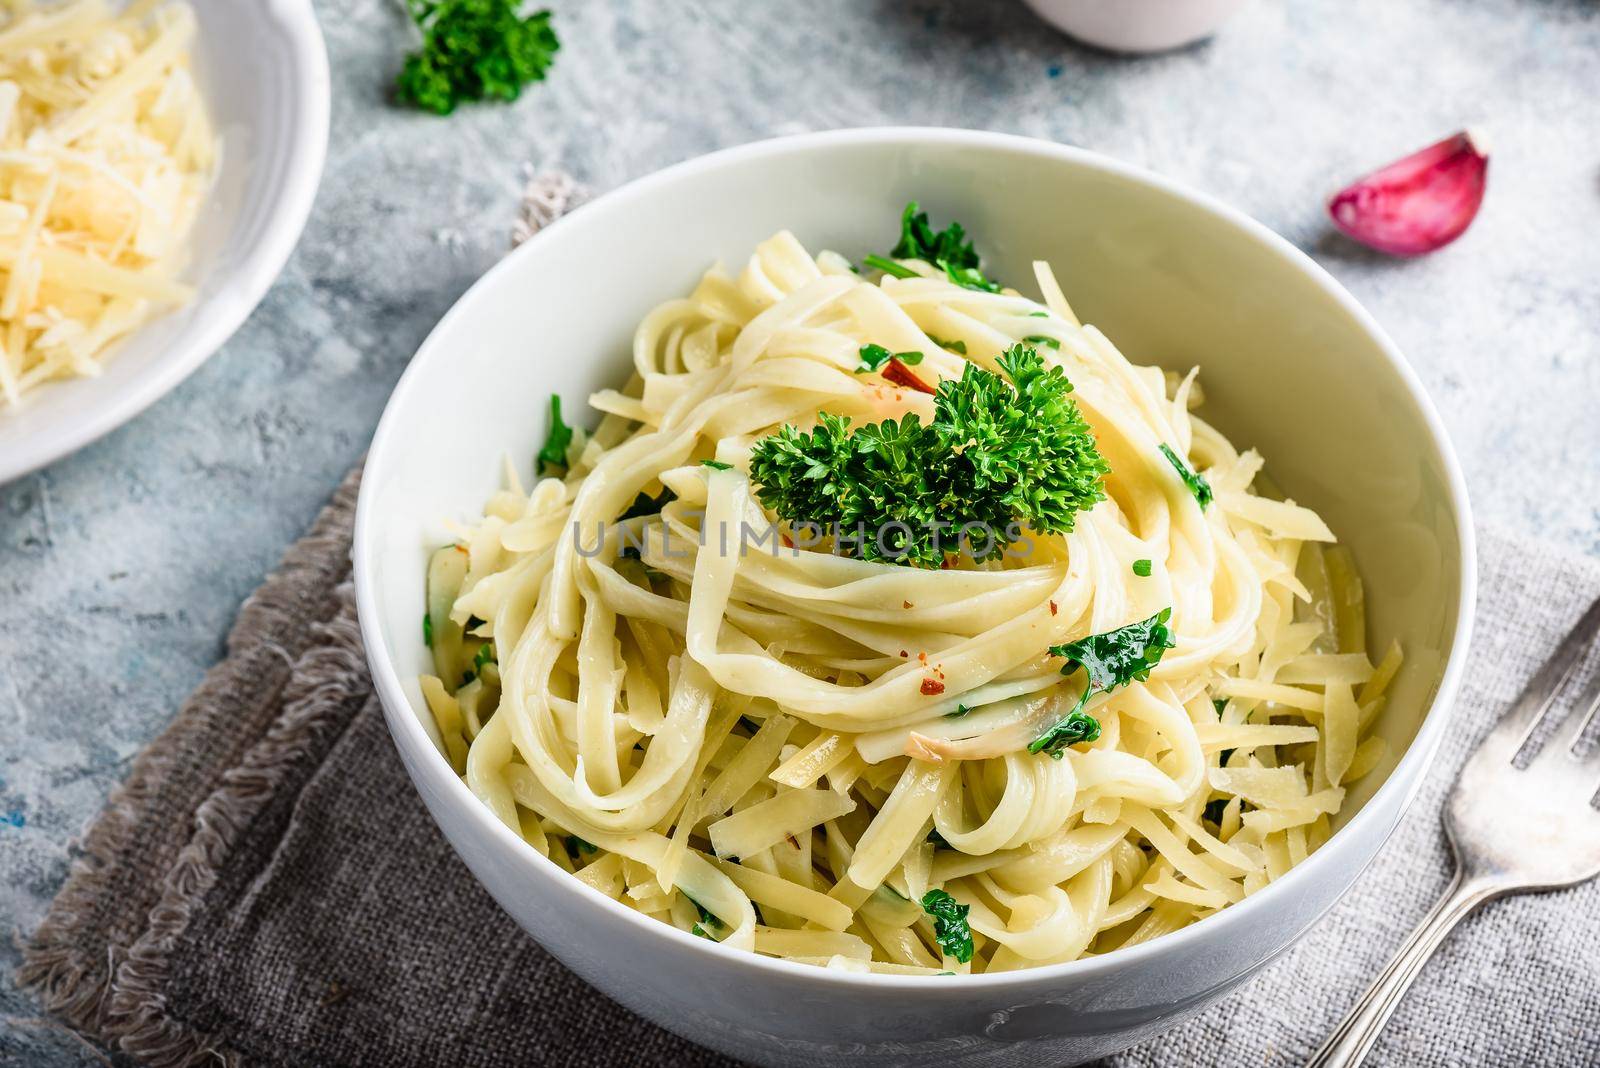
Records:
x=785, y=749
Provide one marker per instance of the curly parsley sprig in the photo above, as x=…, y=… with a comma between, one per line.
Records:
x=996, y=457
x=474, y=50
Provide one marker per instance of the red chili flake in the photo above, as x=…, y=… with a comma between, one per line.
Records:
x=922, y=657
x=901, y=375
x=906, y=604
x=932, y=687
x=904, y=653
x=787, y=544
x=1052, y=608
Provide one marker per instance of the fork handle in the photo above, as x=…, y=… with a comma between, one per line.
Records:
x=1349, y=1044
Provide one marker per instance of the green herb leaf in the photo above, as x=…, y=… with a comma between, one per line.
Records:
x=1040, y=339
x=953, y=346
x=700, y=932
x=576, y=845
x=553, y=455
x=1115, y=658
x=947, y=249
x=888, y=266
x=474, y=50
x=950, y=928
x=644, y=504
x=717, y=464
x=427, y=630
x=1197, y=485
x=960, y=711
x=1142, y=568
x=484, y=655
x=1039, y=314
x=1077, y=726
x=875, y=357
x=996, y=454
x=1120, y=656
x=707, y=917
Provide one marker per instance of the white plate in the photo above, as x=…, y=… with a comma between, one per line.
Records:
x=264, y=72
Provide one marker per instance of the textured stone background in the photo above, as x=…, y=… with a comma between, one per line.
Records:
x=121, y=567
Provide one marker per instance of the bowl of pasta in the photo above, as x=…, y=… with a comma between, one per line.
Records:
x=843, y=634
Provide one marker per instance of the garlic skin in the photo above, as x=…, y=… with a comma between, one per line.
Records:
x=1417, y=204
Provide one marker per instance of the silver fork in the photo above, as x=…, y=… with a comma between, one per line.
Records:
x=1513, y=829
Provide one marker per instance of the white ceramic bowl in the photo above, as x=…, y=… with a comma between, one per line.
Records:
x=1137, y=25
x=1292, y=365
x=264, y=72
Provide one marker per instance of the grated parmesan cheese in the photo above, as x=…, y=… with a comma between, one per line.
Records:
x=106, y=152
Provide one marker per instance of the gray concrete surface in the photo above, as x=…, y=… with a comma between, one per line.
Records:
x=121, y=567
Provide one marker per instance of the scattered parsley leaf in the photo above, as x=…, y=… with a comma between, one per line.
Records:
x=875, y=357
x=427, y=630
x=1039, y=315
x=960, y=711
x=950, y=928
x=474, y=50
x=484, y=655
x=996, y=454
x=889, y=267
x=554, y=452
x=947, y=249
x=1141, y=568
x=1120, y=656
x=1115, y=658
x=707, y=917
x=953, y=346
x=1219, y=703
x=1077, y=726
x=717, y=464
x=1197, y=484
x=644, y=504
x=576, y=845
x=700, y=932
x=1040, y=339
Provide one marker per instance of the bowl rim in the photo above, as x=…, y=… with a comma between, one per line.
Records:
x=409, y=734
x=248, y=282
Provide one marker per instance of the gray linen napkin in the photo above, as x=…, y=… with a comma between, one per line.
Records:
x=266, y=887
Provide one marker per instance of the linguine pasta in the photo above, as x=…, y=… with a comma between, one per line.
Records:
x=826, y=758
